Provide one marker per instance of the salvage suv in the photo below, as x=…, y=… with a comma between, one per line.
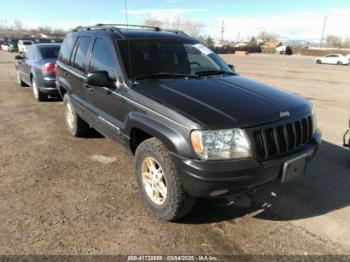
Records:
x=194, y=126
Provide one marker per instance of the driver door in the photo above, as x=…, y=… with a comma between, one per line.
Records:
x=107, y=102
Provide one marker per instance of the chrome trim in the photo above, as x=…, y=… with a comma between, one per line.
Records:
x=49, y=78
x=109, y=123
x=47, y=88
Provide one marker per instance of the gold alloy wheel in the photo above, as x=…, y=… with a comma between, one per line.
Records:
x=154, y=180
x=69, y=115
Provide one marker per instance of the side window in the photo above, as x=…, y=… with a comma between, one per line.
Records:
x=30, y=53
x=102, y=58
x=66, y=49
x=81, y=53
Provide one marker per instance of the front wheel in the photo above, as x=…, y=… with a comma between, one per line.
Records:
x=339, y=63
x=159, y=182
x=318, y=61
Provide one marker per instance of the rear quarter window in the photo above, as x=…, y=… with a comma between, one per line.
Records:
x=66, y=49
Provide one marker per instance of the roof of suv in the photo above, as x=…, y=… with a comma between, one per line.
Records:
x=135, y=32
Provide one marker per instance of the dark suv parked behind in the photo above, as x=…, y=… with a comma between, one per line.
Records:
x=196, y=128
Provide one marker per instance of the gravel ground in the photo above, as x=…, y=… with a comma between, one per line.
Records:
x=65, y=195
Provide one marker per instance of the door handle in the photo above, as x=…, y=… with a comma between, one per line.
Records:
x=89, y=88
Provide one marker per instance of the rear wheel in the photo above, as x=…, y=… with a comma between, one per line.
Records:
x=19, y=80
x=339, y=63
x=159, y=182
x=75, y=124
x=38, y=95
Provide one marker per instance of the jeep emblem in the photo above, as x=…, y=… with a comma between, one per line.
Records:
x=284, y=114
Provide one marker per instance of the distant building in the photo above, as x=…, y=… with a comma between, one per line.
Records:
x=269, y=47
x=218, y=43
x=271, y=44
x=241, y=44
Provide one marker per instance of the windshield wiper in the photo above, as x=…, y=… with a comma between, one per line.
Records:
x=213, y=72
x=165, y=75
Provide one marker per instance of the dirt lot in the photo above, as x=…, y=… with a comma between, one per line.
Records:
x=63, y=195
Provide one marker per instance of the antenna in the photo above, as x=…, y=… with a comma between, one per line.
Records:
x=127, y=26
x=324, y=27
x=126, y=12
x=222, y=31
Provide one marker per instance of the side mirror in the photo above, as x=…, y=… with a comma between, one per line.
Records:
x=99, y=78
x=19, y=57
x=232, y=67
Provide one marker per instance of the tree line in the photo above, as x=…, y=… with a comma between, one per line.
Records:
x=16, y=28
x=179, y=22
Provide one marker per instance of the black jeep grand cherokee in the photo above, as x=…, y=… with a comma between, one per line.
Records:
x=196, y=128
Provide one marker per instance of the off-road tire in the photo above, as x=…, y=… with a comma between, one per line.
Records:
x=178, y=202
x=78, y=127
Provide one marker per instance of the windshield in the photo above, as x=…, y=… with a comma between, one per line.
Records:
x=27, y=43
x=146, y=58
x=50, y=52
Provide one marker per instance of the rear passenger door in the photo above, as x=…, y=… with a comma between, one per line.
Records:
x=332, y=59
x=26, y=64
x=79, y=62
x=107, y=101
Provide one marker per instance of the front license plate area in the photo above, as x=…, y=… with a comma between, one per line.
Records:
x=294, y=168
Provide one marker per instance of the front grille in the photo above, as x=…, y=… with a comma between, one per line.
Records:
x=274, y=141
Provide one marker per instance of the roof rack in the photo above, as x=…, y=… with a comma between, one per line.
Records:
x=155, y=28
x=179, y=32
x=117, y=27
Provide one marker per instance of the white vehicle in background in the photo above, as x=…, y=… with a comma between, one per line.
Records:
x=23, y=45
x=4, y=47
x=335, y=59
x=348, y=57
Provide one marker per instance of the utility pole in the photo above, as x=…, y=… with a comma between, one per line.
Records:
x=324, y=27
x=222, y=31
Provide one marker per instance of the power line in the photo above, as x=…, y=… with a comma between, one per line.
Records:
x=222, y=31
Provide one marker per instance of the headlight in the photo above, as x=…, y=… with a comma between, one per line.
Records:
x=221, y=144
x=314, y=119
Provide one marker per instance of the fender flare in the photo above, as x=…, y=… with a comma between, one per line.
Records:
x=175, y=141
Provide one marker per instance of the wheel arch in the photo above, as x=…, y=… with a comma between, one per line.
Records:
x=139, y=123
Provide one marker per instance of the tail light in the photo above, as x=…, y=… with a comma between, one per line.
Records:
x=48, y=68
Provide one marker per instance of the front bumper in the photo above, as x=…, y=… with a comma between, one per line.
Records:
x=211, y=178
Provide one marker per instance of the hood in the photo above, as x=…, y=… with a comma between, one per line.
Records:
x=225, y=102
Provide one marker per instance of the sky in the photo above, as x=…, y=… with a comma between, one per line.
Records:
x=291, y=19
